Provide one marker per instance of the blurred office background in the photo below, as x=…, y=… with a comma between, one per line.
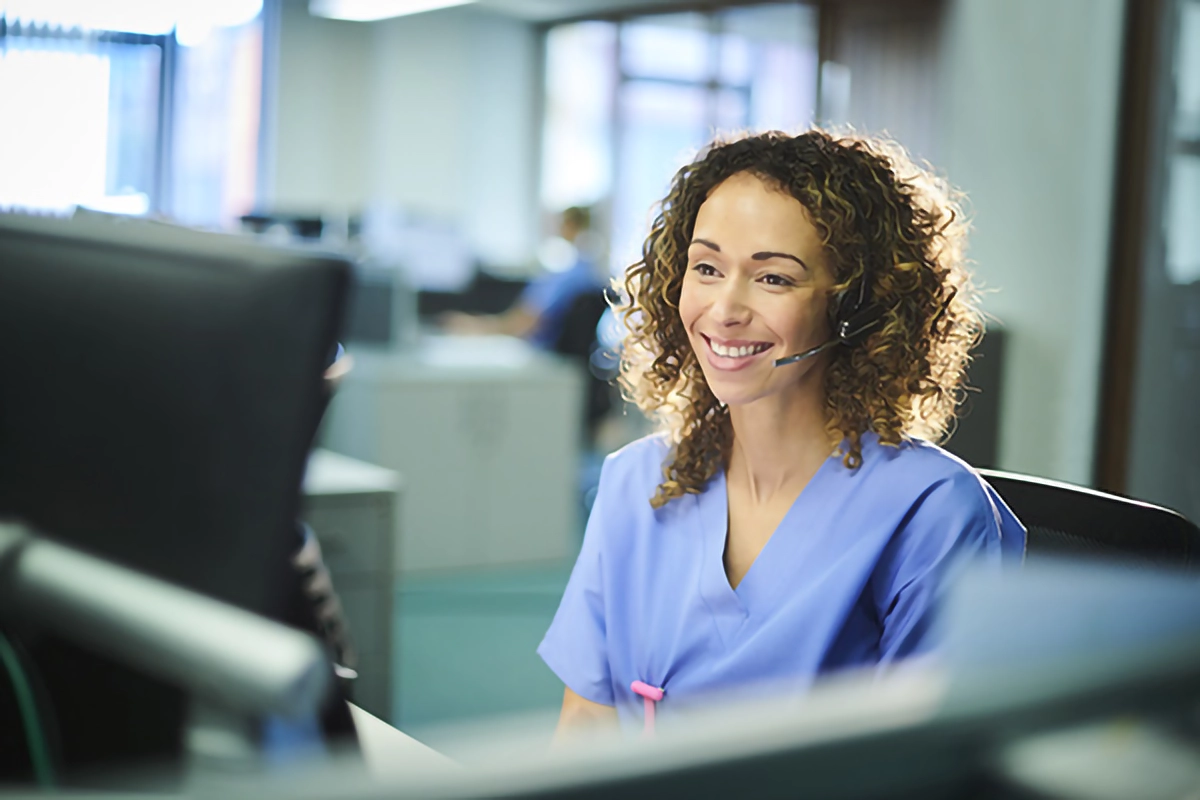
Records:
x=437, y=147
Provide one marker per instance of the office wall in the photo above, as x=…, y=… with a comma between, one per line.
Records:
x=455, y=94
x=323, y=113
x=434, y=113
x=1030, y=93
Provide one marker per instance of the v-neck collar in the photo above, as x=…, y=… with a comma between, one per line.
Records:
x=732, y=607
x=727, y=609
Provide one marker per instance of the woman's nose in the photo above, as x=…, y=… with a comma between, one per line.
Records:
x=729, y=306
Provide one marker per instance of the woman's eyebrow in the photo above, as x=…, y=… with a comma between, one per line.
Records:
x=768, y=255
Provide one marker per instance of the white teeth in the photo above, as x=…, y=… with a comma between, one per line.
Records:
x=736, y=352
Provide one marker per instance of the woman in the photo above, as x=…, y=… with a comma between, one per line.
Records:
x=799, y=323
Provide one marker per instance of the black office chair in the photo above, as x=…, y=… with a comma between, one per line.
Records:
x=577, y=341
x=1067, y=520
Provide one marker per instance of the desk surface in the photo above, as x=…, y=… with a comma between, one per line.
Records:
x=332, y=473
x=458, y=359
x=390, y=752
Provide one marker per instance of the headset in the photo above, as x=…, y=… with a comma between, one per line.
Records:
x=856, y=317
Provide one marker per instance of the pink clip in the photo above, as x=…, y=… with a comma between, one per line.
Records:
x=650, y=696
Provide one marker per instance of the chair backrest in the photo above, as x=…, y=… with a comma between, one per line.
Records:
x=1068, y=520
x=577, y=340
x=577, y=336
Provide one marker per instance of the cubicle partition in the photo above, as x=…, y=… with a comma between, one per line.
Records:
x=486, y=435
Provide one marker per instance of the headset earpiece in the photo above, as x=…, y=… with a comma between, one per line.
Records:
x=856, y=315
x=856, y=318
x=858, y=326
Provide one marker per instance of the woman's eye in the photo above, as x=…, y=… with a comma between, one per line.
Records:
x=705, y=269
x=777, y=280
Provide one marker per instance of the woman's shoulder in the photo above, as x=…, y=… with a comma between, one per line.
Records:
x=631, y=476
x=937, y=481
x=639, y=460
x=629, y=479
x=939, y=488
x=922, y=465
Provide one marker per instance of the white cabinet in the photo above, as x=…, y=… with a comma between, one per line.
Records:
x=352, y=509
x=486, y=432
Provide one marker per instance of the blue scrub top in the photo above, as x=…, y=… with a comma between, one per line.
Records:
x=848, y=579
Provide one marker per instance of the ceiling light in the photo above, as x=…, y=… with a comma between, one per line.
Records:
x=370, y=10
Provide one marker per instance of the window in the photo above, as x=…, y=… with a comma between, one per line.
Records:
x=131, y=106
x=629, y=102
x=1183, y=171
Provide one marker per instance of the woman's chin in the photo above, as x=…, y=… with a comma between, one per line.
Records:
x=735, y=398
x=746, y=395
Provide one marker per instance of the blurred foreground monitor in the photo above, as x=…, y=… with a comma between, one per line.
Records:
x=162, y=388
x=1062, y=680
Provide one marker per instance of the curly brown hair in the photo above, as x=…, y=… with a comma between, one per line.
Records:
x=879, y=215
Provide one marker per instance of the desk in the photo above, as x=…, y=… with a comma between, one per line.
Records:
x=390, y=752
x=351, y=507
x=487, y=434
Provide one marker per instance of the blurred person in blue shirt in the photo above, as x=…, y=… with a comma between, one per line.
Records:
x=570, y=270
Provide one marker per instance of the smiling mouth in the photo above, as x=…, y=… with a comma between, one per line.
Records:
x=742, y=351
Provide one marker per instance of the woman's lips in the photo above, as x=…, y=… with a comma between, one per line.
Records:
x=729, y=363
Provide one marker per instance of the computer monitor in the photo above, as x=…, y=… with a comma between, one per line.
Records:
x=160, y=393
x=382, y=308
x=1059, y=680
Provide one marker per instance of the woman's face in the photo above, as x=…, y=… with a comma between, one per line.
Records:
x=755, y=290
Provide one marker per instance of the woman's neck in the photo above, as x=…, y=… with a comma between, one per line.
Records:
x=778, y=445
